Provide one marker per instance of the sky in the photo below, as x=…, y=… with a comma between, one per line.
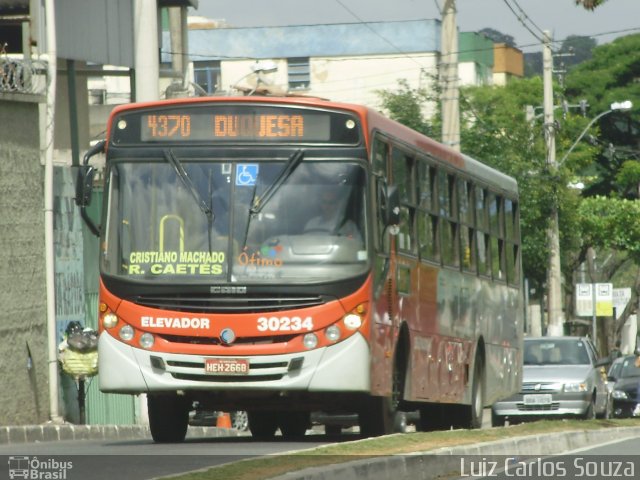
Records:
x=522, y=19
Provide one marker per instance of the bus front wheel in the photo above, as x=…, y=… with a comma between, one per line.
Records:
x=294, y=424
x=168, y=417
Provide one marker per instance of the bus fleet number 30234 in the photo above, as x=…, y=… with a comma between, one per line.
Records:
x=284, y=324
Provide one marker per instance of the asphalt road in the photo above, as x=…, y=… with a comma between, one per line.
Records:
x=140, y=459
x=144, y=460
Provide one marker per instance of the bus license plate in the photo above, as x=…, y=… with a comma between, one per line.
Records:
x=538, y=399
x=226, y=366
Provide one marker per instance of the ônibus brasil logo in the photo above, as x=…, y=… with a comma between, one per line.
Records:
x=36, y=469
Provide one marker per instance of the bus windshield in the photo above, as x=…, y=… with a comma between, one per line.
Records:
x=178, y=220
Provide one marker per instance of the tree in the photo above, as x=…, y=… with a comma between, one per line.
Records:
x=576, y=49
x=610, y=76
x=590, y=4
x=498, y=37
x=407, y=106
x=495, y=131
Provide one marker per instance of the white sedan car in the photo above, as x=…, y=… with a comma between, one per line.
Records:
x=562, y=377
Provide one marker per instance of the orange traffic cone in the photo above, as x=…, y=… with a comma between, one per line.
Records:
x=223, y=420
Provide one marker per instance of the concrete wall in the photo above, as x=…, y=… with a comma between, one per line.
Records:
x=23, y=330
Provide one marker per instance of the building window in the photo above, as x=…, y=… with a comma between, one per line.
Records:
x=207, y=75
x=299, y=73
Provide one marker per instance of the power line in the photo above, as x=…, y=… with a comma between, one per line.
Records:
x=506, y=2
x=404, y=54
x=527, y=17
x=366, y=24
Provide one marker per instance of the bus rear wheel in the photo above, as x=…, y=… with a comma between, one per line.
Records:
x=168, y=417
x=470, y=416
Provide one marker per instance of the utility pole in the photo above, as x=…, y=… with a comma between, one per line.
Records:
x=146, y=53
x=554, y=274
x=449, y=77
x=179, y=47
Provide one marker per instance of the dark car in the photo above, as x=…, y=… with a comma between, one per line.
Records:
x=627, y=389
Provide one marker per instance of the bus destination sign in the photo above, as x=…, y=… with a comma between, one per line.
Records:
x=223, y=123
x=224, y=126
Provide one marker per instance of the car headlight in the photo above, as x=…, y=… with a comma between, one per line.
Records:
x=575, y=387
x=619, y=395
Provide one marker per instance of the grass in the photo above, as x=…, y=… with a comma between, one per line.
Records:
x=271, y=466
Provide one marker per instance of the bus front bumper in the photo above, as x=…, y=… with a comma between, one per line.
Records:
x=340, y=367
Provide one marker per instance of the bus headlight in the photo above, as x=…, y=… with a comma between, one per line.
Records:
x=126, y=333
x=146, y=340
x=332, y=333
x=110, y=320
x=310, y=341
x=352, y=321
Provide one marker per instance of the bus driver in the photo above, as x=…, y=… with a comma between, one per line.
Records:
x=332, y=218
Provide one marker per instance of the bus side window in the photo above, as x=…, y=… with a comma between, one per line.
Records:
x=379, y=162
x=467, y=237
x=428, y=228
x=482, y=232
x=403, y=178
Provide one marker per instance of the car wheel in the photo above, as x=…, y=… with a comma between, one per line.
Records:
x=497, y=420
x=240, y=420
x=607, y=412
x=590, y=413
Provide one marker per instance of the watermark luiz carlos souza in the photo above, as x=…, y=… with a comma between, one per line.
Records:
x=549, y=467
x=33, y=468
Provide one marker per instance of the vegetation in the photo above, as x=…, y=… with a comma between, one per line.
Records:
x=274, y=465
x=602, y=216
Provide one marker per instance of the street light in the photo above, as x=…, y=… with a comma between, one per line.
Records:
x=554, y=275
x=615, y=106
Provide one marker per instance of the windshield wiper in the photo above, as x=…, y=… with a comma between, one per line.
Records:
x=294, y=160
x=188, y=184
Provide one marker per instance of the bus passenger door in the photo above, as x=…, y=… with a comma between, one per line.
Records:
x=383, y=275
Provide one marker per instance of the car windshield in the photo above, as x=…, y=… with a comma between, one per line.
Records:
x=629, y=368
x=555, y=352
x=194, y=221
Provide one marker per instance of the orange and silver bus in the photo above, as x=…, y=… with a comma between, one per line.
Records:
x=293, y=255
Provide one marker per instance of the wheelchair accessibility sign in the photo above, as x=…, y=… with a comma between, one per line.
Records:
x=246, y=174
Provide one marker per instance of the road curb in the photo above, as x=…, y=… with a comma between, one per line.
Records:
x=60, y=432
x=446, y=461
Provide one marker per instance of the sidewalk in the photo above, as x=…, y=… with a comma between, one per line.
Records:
x=67, y=431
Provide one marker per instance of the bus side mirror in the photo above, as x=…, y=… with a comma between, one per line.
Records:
x=392, y=212
x=84, y=185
